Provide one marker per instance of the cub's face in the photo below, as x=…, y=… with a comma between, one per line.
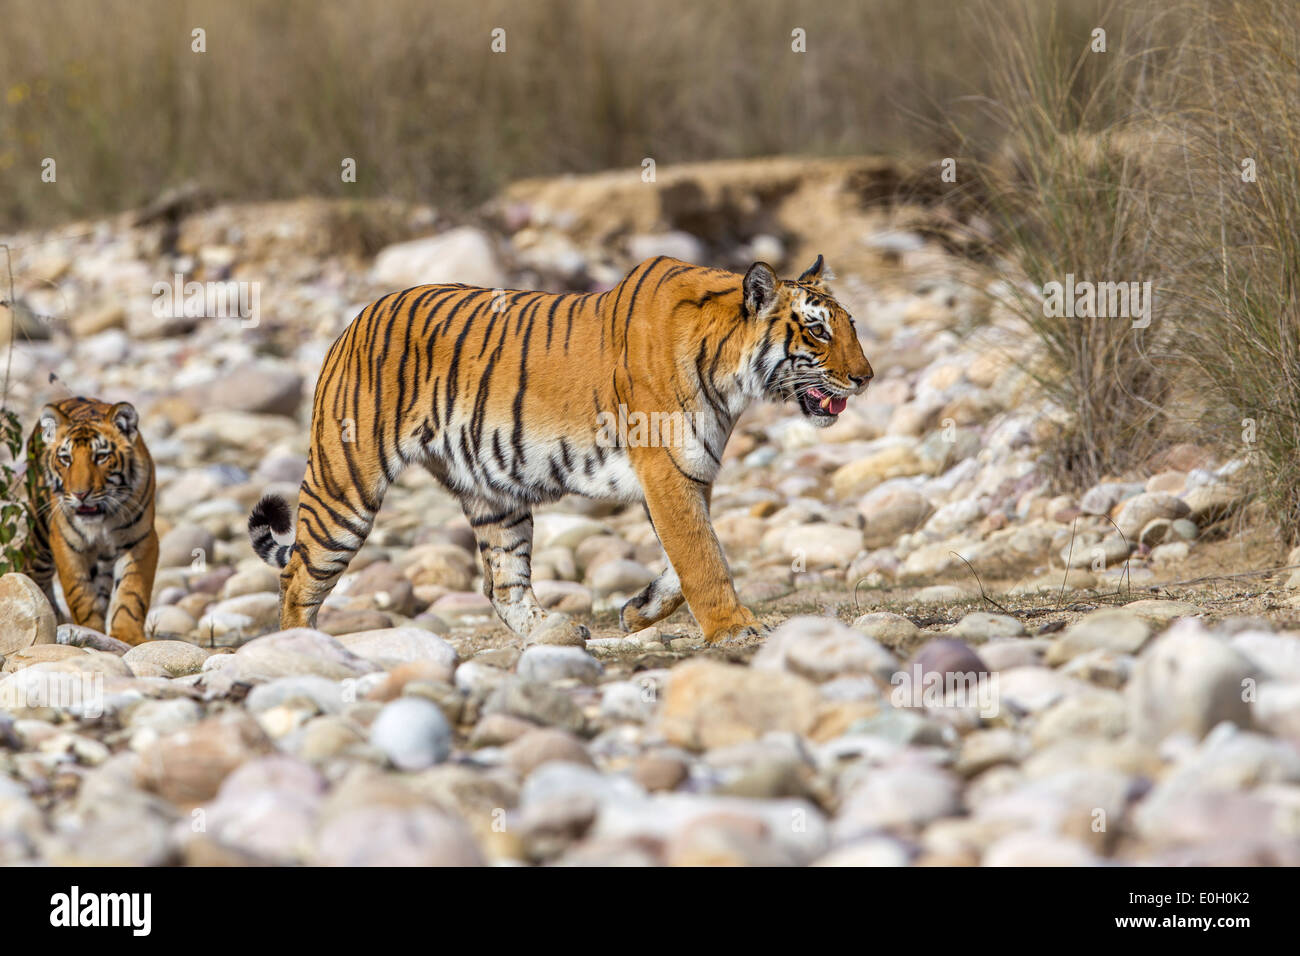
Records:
x=90, y=464
x=810, y=354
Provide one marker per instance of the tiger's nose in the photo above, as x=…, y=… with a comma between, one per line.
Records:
x=860, y=381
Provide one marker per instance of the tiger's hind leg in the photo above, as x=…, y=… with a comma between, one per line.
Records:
x=331, y=528
x=505, y=545
x=662, y=596
x=656, y=601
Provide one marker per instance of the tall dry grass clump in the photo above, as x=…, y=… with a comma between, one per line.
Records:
x=1237, y=298
x=1072, y=191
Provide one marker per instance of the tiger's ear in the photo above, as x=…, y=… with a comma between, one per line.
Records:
x=126, y=419
x=50, y=420
x=817, y=274
x=759, y=289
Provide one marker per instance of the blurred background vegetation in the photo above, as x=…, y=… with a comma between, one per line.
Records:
x=413, y=92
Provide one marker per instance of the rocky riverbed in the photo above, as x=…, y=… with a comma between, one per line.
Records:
x=965, y=666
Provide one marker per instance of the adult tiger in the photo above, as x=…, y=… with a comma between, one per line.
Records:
x=504, y=397
x=90, y=484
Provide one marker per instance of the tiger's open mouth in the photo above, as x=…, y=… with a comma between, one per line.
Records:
x=818, y=403
x=88, y=511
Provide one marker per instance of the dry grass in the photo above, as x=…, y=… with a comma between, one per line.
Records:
x=1239, y=243
x=1072, y=191
x=1127, y=167
x=412, y=91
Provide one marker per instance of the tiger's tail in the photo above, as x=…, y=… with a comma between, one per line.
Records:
x=268, y=519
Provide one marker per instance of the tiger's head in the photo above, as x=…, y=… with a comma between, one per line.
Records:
x=808, y=351
x=89, y=458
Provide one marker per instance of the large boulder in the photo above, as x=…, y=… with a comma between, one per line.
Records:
x=26, y=617
x=464, y=254
x=1188, y=680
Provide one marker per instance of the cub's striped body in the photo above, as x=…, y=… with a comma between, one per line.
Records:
x=504, y=397
x=90, y=484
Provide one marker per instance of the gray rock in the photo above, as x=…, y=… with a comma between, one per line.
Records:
x=1101, y=667
x=1039, y=849
x=1203, y=797
x=943, y=594
x=395, y=836
x=1108, y=629
x=168, y=622
x=539, y=703
x=568, y=597
x=1159, y=613
x=1100, y=499
x=906, y=728
x=877, y=852
x=261, y=580
x=544, y=745
x=478, y=677
x=1155, y=531
x=177, y=547
x=268, y=808
x=982, y=749
x=821, y=648
x=891, y=511
x=328, y=696
x=463, y=254
x=389, y=647
x=413, y=733
x=1097, y=713
x=164, y=716
x=264, y=385
x=1188, y=681
x=676, y=817
x=236, y=620
x=1145, y=508
x=1277, y=655
x=135, y=833
x=545, y=664
x=892, y=630
x=1006, y=653
x=26, y=617
x=557, y=629
x=675, y=244
x=1034, y=689
x=627, y=700
x=980, y=626
x=1277, y=708
x=902, y=796
x=78, y=636
x=618, y=576
x=298, y=651
x=175, y=657
x=945, y=656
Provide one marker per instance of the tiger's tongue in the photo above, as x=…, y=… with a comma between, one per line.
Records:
x=834, y=404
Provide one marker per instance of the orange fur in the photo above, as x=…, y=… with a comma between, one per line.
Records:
x=90, y=485
x=502, y=397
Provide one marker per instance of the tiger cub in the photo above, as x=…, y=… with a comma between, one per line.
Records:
x=90, y=484
x=508, y=399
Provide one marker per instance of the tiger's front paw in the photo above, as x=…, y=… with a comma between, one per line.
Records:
x=630, y=619
x=736, y=628
x=132, y=633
